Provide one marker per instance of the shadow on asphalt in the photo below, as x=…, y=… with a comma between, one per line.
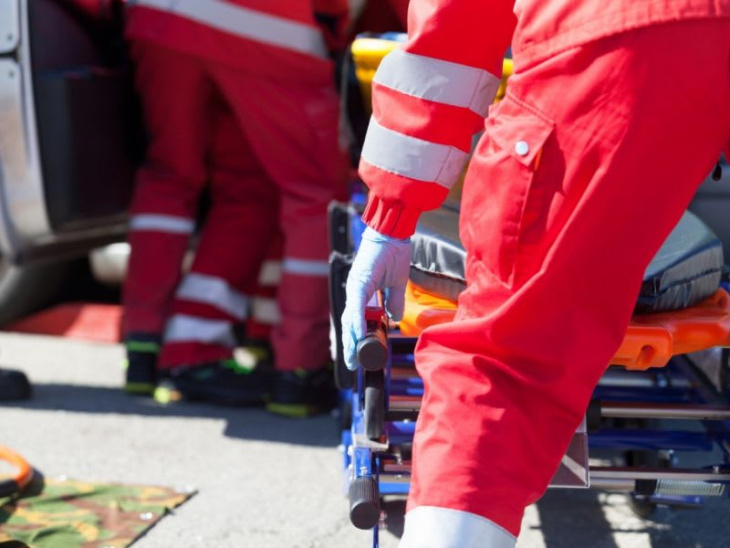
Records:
x=250, y=423
x=577, y=519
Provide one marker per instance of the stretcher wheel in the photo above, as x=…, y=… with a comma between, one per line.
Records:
x=364, y=502
x=641, y=507
x=374, y=404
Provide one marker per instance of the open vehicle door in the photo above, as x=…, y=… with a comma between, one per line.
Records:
x=69, y=131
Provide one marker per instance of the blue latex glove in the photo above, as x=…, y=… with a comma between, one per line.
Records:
x=382, y=263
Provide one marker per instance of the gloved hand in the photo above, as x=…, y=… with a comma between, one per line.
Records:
x=382, y=263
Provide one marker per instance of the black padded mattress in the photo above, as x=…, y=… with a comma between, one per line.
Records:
x=686, y=270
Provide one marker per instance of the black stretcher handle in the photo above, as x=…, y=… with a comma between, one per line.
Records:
x=372, y=351
x=364, y=502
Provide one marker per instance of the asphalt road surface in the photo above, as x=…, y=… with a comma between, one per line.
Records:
x=262, y=481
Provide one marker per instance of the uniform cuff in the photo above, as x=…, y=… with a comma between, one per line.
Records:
x=390, y=218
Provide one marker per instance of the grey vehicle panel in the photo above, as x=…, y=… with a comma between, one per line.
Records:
x=9, y=22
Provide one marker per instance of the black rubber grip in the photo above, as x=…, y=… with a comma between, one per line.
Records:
x=364, y=503
x=372, y=352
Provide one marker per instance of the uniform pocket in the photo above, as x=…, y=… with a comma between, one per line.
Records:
x=500, y=179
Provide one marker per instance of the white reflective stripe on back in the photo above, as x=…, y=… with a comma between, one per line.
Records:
x=411, y=157
x=202, y=288
x=439, y=81
x=265, y=311
x=305, y=267
x=162, y=223
x=182, y=328
x=433, y=527
x=247, y=23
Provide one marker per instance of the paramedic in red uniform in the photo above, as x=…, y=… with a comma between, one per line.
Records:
x=239, y=93
x=614, y=115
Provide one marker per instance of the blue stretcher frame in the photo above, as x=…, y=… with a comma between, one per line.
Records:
x=678, y=390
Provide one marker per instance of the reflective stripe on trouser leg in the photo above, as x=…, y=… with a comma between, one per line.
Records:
x=214, y=292
x=508, y=382
x=156, y=222
x=431, y=527
x=193, y=340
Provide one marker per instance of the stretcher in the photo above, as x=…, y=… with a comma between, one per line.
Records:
x=665, y=394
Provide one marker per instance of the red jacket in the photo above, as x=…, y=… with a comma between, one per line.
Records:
x=432, y=95
x=274, y=38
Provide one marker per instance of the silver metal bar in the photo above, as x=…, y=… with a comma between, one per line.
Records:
x=679, y=474
x=621, y=378
x=396, y=468
x=608, y=484
x=620, y=477
x=404, y=403
x=664, y=411
x=403, y=373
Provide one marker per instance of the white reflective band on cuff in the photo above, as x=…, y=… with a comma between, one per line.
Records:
x=202, y=288
x=304, y=267
x=186, y=329
x=270, y=275
x=411, y=157
x=265, y=311
x=432, y=527
x=439, y=81
x=162, y=223
x=246, y=23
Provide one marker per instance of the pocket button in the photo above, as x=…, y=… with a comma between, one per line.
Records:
x=522, y=148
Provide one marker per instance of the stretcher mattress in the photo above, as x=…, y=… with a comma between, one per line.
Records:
x=686, y=270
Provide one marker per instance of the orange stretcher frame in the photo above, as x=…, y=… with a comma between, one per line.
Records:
x=651, y=339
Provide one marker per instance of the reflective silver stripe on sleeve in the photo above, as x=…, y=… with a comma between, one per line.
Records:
x=304, y=267
x=162, y=223
x=182, y=328
x=411, y=157
x=246, y=23
x=439, y=81
x=216, y=292
x=433, y=526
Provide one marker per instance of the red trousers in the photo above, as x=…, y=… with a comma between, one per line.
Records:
x=582, y=172
x=270, y=154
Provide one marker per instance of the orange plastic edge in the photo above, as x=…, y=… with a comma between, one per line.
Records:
x=651, y=339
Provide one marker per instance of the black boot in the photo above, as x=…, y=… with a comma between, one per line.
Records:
x=142, y=352
x=224, y=382
x=301, y=394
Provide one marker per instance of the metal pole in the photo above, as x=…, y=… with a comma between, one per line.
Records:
x=664, y=411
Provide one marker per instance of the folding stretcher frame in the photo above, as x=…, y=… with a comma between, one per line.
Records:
x=653, y=379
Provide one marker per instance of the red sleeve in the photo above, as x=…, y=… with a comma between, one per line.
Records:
x=429, y=98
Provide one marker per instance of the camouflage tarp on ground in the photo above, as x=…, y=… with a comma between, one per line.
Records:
x=76, y=514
